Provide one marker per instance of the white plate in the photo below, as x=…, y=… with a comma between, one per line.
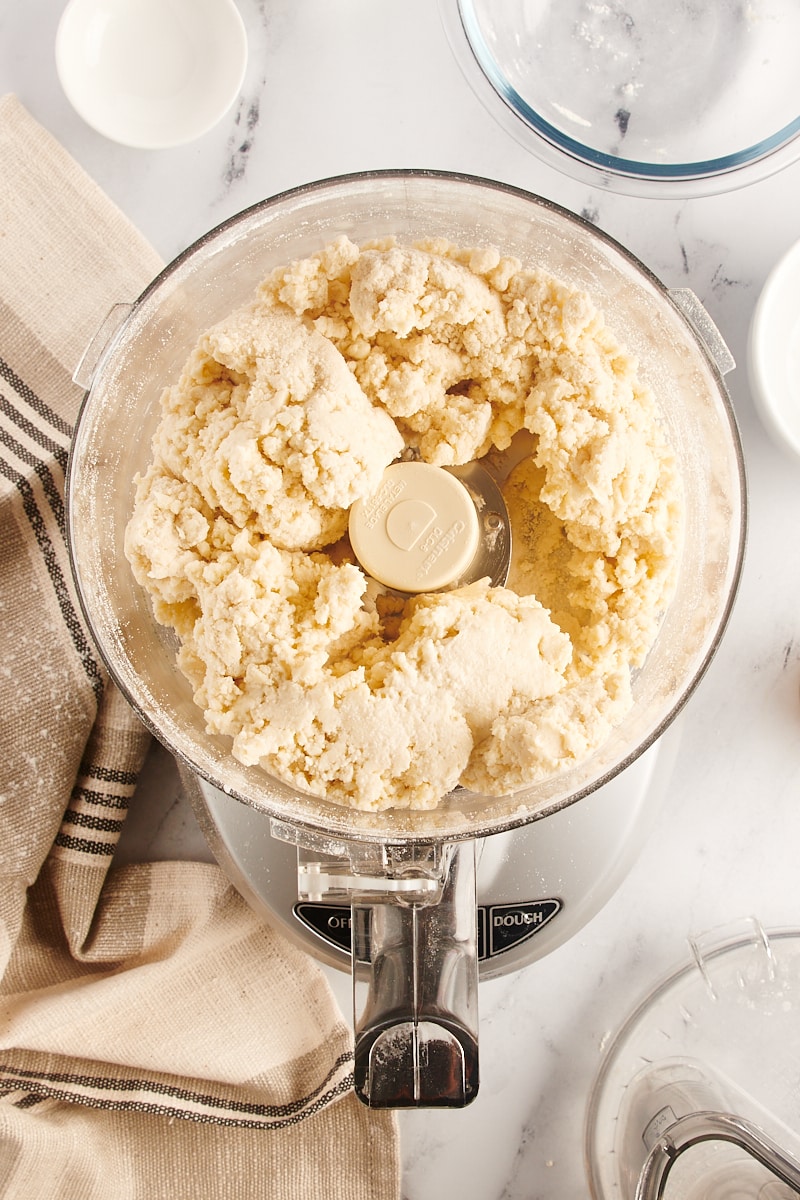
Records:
x=774, y=352
x=151, y=73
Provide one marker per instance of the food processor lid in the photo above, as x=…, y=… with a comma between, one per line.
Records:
x=643, y=98
x=719, y=1035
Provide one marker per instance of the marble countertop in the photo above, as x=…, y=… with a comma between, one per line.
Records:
x=334, y=87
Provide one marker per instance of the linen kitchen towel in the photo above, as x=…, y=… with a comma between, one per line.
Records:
x=156, y=1038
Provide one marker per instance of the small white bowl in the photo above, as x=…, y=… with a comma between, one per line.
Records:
x=773, y=357
x=151, y=73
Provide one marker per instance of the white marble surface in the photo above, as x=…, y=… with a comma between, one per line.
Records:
x=340, y=85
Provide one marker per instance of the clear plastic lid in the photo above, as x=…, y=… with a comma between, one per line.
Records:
x=687, y=98
x=718, y=1037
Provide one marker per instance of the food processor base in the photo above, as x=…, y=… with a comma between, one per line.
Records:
x=537, y=885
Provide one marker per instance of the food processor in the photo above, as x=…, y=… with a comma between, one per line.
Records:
x=393, y=894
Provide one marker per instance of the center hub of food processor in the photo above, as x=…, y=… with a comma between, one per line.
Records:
x=418, y=532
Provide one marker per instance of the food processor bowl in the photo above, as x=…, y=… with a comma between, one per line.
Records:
x=112, y=444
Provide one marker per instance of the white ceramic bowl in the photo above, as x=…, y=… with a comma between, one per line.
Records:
x=773, y=358
x=151, y=73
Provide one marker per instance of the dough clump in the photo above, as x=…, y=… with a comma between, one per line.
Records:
x=290, y=409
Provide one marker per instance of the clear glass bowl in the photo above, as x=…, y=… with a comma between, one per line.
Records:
x=660, y=99
x=122, y=409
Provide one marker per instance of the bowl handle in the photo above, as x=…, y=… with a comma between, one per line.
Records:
x=84, y=373
x=700, y=320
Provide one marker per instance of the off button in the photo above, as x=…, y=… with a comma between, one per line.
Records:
x=418, y=532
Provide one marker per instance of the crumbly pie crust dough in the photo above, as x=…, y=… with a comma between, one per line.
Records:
x=290, y=409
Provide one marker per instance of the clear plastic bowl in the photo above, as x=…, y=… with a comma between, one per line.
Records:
x=122, y=409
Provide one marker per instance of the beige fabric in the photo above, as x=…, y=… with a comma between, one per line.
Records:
x=156, y=1038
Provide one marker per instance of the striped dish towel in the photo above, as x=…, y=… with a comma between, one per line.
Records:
x=156, y=1038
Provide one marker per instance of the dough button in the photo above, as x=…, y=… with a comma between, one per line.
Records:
x=419, y=532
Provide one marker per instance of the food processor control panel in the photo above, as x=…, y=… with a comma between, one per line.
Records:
x=501, y=927
x=537, y=886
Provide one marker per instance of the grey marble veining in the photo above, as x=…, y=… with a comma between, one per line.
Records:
x=351, y=85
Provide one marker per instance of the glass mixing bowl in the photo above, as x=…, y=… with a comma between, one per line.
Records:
x=121, y=411
x=649, y=99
